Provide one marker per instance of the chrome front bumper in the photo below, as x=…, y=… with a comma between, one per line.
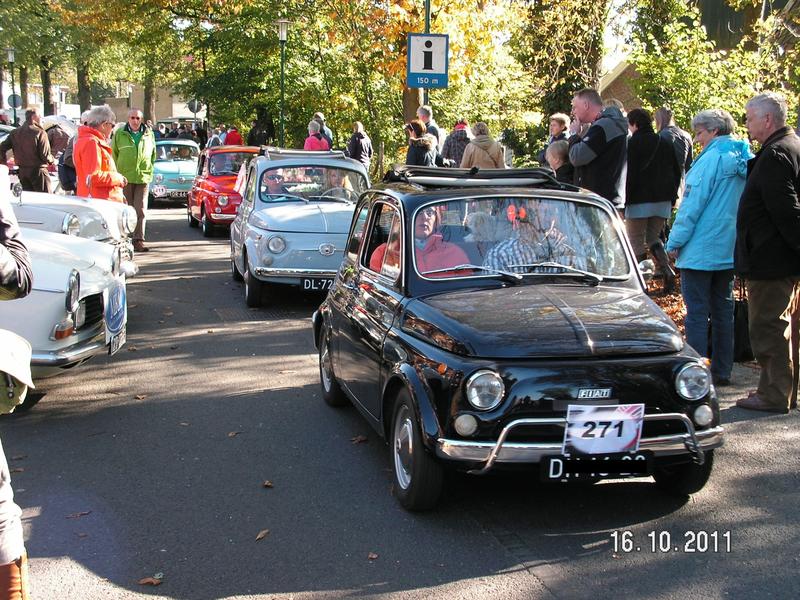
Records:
x=220, y=217
x=295, y=273
x=71, y=355
x=692, y=442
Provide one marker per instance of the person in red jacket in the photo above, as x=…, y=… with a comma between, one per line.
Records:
x=315, y=140
x=431, y=251
x=97, y=175
x=234, y=138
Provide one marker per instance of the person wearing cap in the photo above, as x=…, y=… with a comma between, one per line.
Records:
x=16, y=281
x=324, y=130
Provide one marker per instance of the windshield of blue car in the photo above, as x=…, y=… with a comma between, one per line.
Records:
x=228, y=163
x=176, y=152
x=307, y=183
x=530, y=236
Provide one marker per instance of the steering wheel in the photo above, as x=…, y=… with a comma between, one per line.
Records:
x=336, y=192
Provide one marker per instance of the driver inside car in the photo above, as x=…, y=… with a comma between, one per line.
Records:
x=337, y=184
x=274, y=181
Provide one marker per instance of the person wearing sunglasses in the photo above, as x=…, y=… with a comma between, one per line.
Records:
x=94, y=163
x=274, y=182
x=134, y=151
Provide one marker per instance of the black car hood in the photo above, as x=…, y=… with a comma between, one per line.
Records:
x=540, y=321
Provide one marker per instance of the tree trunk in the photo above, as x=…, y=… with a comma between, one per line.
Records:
x=23, y=86
x=84, y=85
x=2, y=83
x=412, y=100
x=47, y=87
x=149, y=108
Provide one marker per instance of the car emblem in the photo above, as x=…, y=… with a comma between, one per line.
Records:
x=327, y=249
x=594, y=393
x=181, y=179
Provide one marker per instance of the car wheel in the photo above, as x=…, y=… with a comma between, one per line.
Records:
x=206, y=226
x=331, y=392
x=190, y=218
x=252, y=287
x=418, y=477
x=686, y=478
x=235, y=271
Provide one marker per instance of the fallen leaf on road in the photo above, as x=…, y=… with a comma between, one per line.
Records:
x=150, y=581
x=372, y=556
x=262, y=534
x=131, y=348
x=233, y=433
x=78, y=515
x=359, y=439
x=286, y=372
x=17, y=470
x=140, y=396
x=268, y=484
x=210, y=331
x=175, y=347
x=19, y=457
x=83, y=535
x=183, y=424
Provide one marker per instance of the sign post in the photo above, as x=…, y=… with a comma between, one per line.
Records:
x=195, y=106
x=427, y=60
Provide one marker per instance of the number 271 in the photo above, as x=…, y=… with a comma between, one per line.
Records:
x=591, y=426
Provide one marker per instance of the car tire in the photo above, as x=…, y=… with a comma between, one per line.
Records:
x=235, y=275
x=192, y=222
x=331, y=391
x=252, y=287
x=686, y=478
x=418, y=477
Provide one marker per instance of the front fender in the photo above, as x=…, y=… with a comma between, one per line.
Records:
x=421, y=396
x=317, y=322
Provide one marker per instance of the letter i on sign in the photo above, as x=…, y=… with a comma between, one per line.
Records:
x=427, y=57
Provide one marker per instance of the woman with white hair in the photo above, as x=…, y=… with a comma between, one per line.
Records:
x=315, y=140
x=97, y=175
x=483, y=151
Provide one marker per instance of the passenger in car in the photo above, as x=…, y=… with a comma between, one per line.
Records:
x=431, y=251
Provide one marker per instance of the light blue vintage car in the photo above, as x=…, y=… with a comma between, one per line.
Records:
x=174, y=170
x=293, y=221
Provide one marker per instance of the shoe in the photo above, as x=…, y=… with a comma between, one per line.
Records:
x=755, y=402
x=721, y=381
x=662, y=259
x=138, y=246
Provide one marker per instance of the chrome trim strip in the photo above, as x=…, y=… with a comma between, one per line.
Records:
x=693, y=442
x=313, y=273
x=76, y=353
x=221, y=216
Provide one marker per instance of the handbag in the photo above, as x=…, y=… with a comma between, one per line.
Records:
x=742, y=350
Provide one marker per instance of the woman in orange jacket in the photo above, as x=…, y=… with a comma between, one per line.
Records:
x=96, y=172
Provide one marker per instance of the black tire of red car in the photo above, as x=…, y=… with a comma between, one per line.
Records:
x=686, y=478
x=190, y=218
x=331, y=391
x=252, y=286
x=205, y=224
x=418, y=477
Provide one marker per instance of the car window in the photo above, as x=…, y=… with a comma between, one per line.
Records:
x=357, y=233
x=311, y=183
x=201, y=165
x=384, y=242
x=227, y=163
x=250, y=190
x=516, y=234
x=176, y=152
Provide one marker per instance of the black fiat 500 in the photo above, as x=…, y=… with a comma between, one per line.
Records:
x=496, y=319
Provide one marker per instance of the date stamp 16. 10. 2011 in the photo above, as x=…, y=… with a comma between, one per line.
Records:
x=715, y=542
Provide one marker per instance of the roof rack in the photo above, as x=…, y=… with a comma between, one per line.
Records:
x=475, y=177
x=273, y=152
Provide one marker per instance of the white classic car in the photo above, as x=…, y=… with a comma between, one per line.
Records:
x=77, y=308
x=90, y=218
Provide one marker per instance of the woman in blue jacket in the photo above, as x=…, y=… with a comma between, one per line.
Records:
x=703, y=237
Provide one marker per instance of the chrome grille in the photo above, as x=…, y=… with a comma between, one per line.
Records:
x=94, y=311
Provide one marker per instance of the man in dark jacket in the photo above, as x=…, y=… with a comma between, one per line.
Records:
x=598, y=155
x=457, y=142
x=31, y=153
x=681, y=143
x=360, y=146
x=768, y=253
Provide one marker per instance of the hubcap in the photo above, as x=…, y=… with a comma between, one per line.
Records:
x=403, y=443
x=325, y=364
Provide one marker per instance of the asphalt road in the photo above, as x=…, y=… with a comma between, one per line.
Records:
x=153, y=462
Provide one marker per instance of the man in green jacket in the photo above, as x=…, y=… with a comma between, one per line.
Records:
x=134, y=151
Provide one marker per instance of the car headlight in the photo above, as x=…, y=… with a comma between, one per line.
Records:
x=693, y=381
x=73, y=291
x=71, y=225
x=127, y=220
x=222, y=200
x=485, y=389
x=158, y=178
x=276, y=244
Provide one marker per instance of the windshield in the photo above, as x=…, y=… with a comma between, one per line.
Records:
x=319, y=183
x=228, y=163
x=176, y=152
x=520, y=235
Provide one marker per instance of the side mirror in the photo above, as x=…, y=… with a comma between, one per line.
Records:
x=647, y=268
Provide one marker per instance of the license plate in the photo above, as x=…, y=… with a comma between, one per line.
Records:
x=607, y=429
x=316, y=285
x=175, y=194
x=609, y=466
x=159, y=190
x=117, y=342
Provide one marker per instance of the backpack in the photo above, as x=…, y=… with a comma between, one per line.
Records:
x=67, y=176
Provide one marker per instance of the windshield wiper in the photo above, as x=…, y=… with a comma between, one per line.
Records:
x=506, y=275
x=593, y=278
x=284, y=196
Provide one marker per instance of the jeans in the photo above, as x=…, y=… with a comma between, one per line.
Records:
x=710, y=293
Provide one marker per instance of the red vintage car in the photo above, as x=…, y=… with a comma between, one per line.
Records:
x=213, y=199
